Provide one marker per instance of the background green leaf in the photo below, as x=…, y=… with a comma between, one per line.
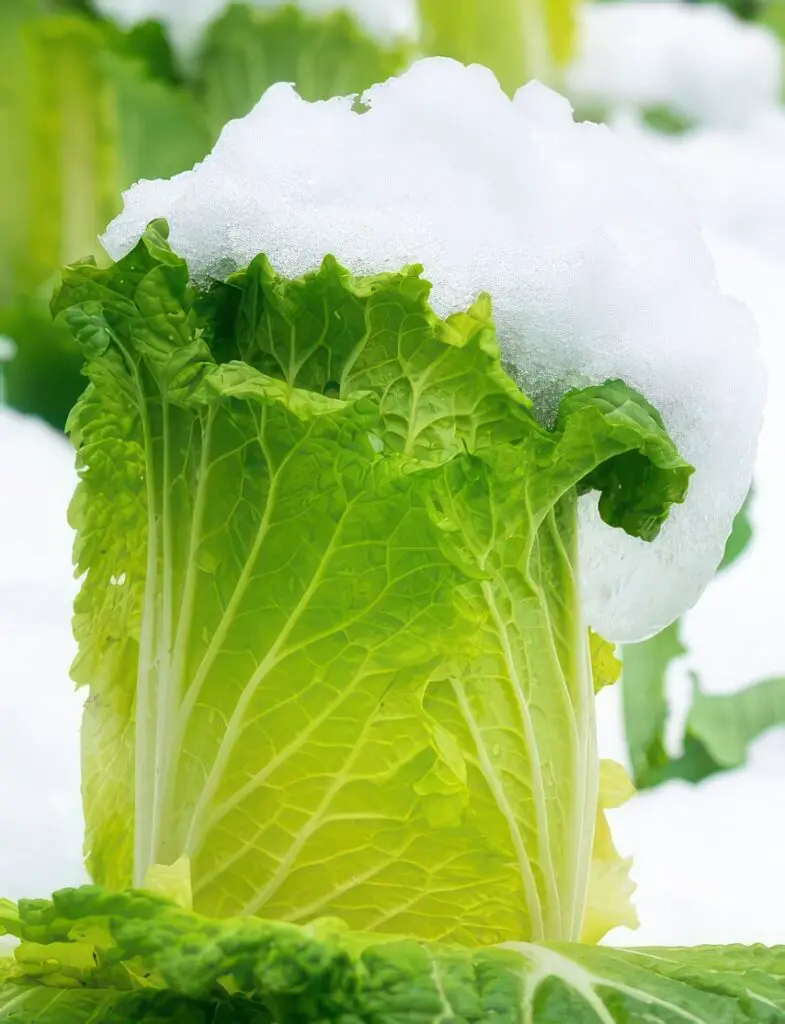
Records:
x=740, y=535
x=82, y=118
x=725, y=724
x=719, y=727
x=517, y=39
x=644, y=668
x=248, y=49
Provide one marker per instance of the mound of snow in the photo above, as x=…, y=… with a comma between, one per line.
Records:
x=593, y=260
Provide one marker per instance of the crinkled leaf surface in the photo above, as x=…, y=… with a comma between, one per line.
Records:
x=610, y=887
x=329, y=620
x=146, y=957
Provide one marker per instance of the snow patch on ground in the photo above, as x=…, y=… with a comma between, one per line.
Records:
x=39, y=710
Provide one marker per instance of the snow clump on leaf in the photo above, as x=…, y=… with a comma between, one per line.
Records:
x=594, y=263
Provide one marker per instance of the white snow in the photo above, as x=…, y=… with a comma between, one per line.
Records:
x=707, y=859
x=39, y=711
x=186, y=20
x=697, y=60
x=726, y=74
x=593, y=260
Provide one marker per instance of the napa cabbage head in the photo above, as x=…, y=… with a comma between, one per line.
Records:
x=330, y=617
x=334, y=537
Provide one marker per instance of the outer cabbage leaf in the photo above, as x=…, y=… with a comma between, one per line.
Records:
x=330, y=620
x=253, y=970
x=249, y=49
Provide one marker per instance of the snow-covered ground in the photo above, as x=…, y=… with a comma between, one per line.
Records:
x=39, y=711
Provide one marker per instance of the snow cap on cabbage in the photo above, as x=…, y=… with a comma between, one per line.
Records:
x=594, y=263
